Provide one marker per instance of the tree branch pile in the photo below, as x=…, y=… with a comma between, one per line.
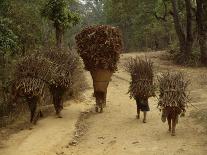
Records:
x=173, y=90
x=141, y=71
x=52, y=68
x=33, y=66
x=30, y=76
x=70, y=61
x=30, y=87
x=100, y=47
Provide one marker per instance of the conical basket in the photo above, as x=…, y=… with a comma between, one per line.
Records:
x=101, y=79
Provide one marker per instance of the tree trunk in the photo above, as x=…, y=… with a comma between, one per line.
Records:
x=185, y=41
x=189, y=35
x=178, y=28
x=125, y=36
x=201, y=17
x=59, y=36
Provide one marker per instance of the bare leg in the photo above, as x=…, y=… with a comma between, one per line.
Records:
x=169, y=123
x=173, y=127
x=145, y=117
x=138, y=112
x=105, y=94
x=58, y=105
x=32, y=103
x=36, y=117
x=100, y=101
x=32, y=115
x=36, y=114
x=57, y=94
x=58, y=111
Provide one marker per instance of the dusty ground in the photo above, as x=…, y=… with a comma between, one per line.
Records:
x=117, y=131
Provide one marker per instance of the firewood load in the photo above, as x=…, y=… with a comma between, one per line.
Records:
x=35, y=91
x=66, y=64
x=141, y=71
x=30, y=76
x=100, y=47
x=30, y=87
x=173, y=90
x=31, y=81
x=51, y=69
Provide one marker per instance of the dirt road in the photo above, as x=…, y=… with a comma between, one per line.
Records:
x=114, y=132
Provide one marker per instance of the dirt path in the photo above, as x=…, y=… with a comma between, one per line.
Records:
x=118, y=132
x=47, y=137
x=114, y=132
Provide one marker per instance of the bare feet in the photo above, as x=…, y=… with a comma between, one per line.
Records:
x=144, y=121
x=59, y=115
x=173, y=133
x=138, y=117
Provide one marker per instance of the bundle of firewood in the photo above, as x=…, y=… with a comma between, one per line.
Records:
x=48, y=67
x=141, y=71
x=68, y=60
x=33, y=66
x=31, y=76
x=65, y=63
x=30, y=87
x=100, y=47
x=173, y=90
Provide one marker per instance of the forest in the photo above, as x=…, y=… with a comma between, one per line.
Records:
x=27, y=26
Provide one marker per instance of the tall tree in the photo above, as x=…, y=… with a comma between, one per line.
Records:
x=93, y=12
x=136, y=19
x=185, y=37
x=201, y=18
x=62, y=16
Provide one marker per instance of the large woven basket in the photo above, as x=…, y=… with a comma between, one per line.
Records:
x=101, y=78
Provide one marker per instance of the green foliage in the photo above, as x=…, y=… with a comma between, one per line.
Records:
x=28, y=25
x=137, y=20
x=4, y=5
x=8, y=40
x=93, y=12
x=58, y=11
x=178, y=57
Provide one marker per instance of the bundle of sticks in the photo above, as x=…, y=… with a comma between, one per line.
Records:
x=33, y=66
x=100, y=47
x=68, y=60
x=173, y=90
x=53, y=67
x=141, y=71
x=30, y=87
x=65, y=63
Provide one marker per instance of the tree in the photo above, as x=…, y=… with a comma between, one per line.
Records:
x=8, y=40
x=28, y=25
x=201, y=18
x=61, y=15
x=185, y=37
x=140, y=28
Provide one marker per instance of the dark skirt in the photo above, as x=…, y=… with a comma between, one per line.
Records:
x=142, y=104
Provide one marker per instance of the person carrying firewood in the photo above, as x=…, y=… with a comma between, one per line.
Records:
x=173, y=98
x=141, y=85
x=142, y=105
x=100, y=46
